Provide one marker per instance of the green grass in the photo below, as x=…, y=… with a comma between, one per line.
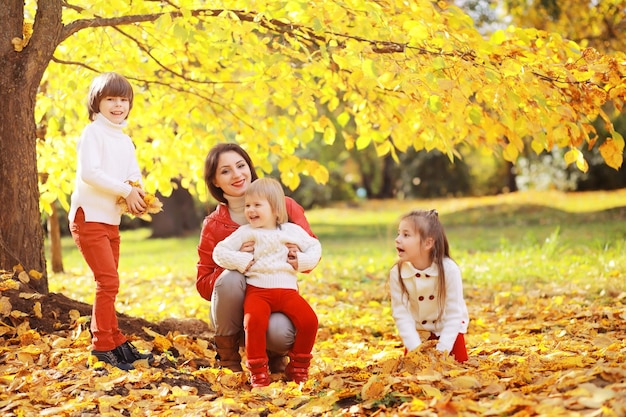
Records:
x=576, y=242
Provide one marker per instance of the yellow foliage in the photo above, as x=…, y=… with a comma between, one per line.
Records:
x=276, y=78
x=154, y=205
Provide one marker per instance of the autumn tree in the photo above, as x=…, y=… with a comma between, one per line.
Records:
x=402, y=74
x=601, y=24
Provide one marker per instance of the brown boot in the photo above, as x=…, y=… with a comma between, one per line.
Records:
x=277, y=362
x=227, y=349
x=298, y=367
x=259, y=375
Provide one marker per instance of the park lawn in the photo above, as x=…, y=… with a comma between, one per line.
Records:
x=544, y=283
x=518, y=239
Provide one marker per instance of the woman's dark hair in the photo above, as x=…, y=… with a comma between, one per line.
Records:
x=108, y=84
x=210, y=167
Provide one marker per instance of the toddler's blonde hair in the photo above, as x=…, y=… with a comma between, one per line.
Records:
x=272, y=190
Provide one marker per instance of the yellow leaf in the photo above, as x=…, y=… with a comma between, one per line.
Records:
x=29, y=295
x=498, y=37
x=416, y=30
x=369, y=68
x=161, y=343
x=417, y=405
x=61, y=343
x=476, y=115
x=386, y=80
x=572, y=156
x=510, y=152
x=512, y=68
x=9, y=284
x=465, y=382
x=74, y=315
x=612, y=151
x=18, y=314
x=374, y=389
x=434, y=103
x=23, y=277
x=439, y=63
x=5, y=306
x=35, y=274
x=431, y=392
x=362, y=142
x=37, y=309
x=341, y=61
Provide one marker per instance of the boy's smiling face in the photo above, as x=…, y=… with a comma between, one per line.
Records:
x=115, y=109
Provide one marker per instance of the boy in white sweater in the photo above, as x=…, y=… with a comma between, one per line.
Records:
x=281, y=250
x=106, y=166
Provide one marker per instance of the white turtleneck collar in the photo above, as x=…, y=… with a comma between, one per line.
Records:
x=99, y=117
x=236, y=206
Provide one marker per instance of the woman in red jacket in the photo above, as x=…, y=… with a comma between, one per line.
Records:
x=228, y=171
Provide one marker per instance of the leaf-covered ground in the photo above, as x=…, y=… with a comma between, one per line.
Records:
x=548, y=352
x=545, y=291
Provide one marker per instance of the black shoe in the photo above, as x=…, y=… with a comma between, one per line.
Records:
x=126, y=352
x=110, y=357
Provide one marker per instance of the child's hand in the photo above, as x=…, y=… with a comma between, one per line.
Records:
x=149, y=202
x=249, y=265
x=135, y=203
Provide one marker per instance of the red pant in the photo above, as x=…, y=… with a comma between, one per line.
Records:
x=100, y=245
x=459, y=350
x=259, y=303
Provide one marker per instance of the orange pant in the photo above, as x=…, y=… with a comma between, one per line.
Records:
x=99, y=244
x=259, y=303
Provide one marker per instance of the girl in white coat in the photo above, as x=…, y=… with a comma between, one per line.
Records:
x=426, y=286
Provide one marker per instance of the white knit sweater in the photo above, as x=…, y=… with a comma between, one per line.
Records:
x=270, y=268
x=106, y=159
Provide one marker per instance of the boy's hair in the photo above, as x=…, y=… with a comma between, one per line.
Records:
x=108, y=84
x=427, y=224
x=271, y=189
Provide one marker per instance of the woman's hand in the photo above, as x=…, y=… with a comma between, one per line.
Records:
x=247, y=247
x=292, y=255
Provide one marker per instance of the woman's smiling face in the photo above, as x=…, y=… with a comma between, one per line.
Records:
x=233, y=174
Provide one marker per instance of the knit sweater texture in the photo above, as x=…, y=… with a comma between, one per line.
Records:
x=270, y=268
x=106, y=160
x=216, y=227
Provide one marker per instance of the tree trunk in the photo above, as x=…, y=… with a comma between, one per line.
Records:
x=54, y=236
x=21, y=71
x=21, y=232
x=179, y=215
x=389, y=189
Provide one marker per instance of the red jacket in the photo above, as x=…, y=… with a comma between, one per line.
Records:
x=216, y=227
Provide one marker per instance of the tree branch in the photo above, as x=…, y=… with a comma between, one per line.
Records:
x=273, y=25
